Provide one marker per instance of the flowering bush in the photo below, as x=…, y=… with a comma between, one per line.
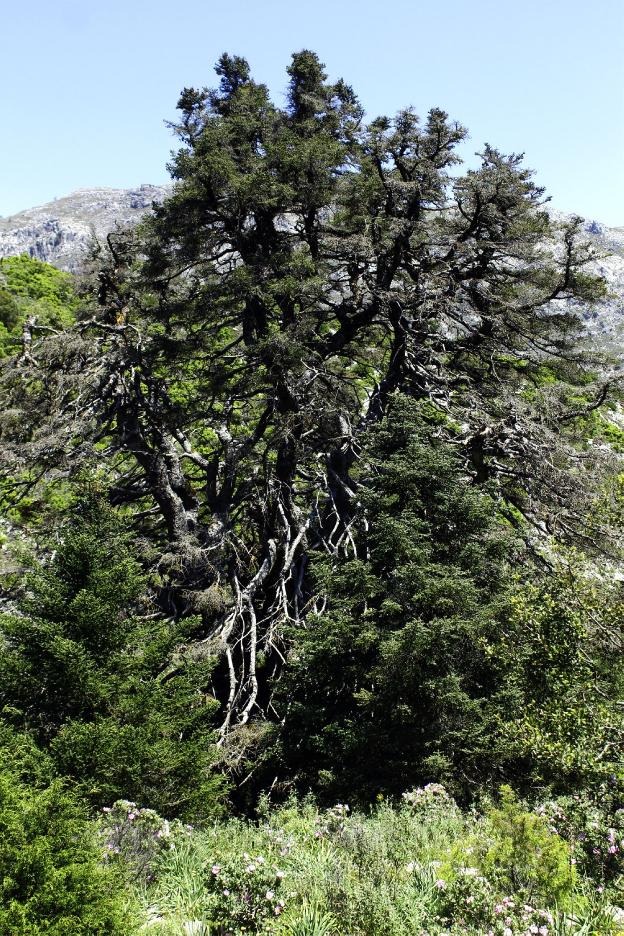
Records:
x=432, y=798
x=332, y=822
x=138, y=836
x=471, y=903
x=595, y=833
x=245, y=893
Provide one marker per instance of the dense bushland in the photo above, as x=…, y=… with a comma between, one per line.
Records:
x=313, y=490
x=34, y=298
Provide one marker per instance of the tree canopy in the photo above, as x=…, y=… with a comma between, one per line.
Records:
x=241, y=346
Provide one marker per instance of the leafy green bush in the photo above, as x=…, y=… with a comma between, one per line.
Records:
x=30, y=288
x=52, y=878
x=560, y=659
x=525, y=856
x=111, y=693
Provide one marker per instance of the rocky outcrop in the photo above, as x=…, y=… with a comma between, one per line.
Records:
x=606, y=318
x=62, y=231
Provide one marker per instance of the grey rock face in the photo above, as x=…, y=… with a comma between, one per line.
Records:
x=61, y=231
x=604, y=319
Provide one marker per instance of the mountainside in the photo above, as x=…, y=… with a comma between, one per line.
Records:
x=606, y=318
x=60, y=232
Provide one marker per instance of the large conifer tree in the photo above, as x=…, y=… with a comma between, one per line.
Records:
x=306, y=268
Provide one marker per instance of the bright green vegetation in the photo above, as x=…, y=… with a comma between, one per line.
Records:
x=52, y=878
x=310, y=500
x=31, y=289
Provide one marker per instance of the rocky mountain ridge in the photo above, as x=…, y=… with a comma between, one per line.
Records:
x=60, y=232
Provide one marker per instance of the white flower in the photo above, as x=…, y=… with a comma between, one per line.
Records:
x=270, y=895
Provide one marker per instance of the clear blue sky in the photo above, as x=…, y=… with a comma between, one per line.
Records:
x=86, y=86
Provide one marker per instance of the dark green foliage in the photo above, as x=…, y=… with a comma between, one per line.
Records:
x=307, y=268
x=114, y=695
x=52, y=879
x=393, y=685
x=9, y=309
x=325, y=379
x=443, y=652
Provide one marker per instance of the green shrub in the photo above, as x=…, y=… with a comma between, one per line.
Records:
x=52, y=879
x=30, y=288
x=561, y=663
x=518, y=853
x=113, y=694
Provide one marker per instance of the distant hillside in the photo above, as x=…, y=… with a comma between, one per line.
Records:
x=60, y=232
x=606, y=318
